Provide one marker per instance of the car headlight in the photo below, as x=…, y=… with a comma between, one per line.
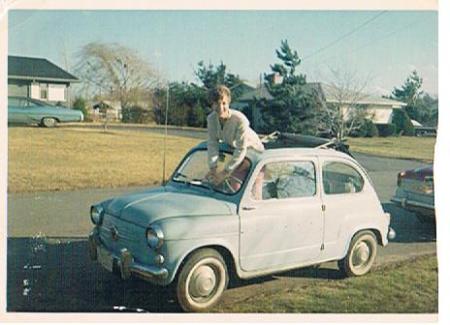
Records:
x=155, y=237
x=97, y=213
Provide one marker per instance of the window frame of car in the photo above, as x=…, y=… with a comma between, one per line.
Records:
x=228, y=195
x=247, y=194
x=361, y=172
x=38, y=103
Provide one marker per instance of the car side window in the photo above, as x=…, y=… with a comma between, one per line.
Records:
x=280, y=180
x=33, y=104
x=341, y=178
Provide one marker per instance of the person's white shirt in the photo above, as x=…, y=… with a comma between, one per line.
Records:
x=236, y=132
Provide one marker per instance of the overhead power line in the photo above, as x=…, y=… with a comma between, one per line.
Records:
x=345, y=35
x=374, y=40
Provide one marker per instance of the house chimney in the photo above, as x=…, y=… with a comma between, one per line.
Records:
x=277, y=78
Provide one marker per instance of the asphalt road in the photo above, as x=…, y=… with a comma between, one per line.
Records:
x=49, y=269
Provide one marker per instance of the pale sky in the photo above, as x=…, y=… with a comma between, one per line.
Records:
x=383, y=46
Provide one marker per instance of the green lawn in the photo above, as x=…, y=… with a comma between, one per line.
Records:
x=420, y=148
x=410, y=287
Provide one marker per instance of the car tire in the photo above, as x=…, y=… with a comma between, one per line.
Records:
x=202, y=280
x=360, y=255
x=48, y=122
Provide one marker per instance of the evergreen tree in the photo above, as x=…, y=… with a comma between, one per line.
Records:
x=410, y=93
x=293, y=107
x=210, y=76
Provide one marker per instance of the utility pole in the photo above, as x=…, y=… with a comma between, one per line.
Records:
x=165, y=134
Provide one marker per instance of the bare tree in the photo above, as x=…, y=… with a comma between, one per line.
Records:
x=344, y=111
x=116, y=73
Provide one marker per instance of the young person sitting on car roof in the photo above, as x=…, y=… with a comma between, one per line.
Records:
x=229, y=126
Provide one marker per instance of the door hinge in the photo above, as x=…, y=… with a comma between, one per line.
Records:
x=323, y=207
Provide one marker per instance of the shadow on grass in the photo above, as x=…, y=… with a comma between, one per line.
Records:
x=57, y=275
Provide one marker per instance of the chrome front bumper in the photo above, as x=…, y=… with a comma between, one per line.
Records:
x=411, y=203
x=125, y=262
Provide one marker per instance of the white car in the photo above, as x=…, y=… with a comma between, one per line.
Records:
x=282, y=209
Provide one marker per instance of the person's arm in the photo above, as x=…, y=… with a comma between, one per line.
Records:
x=213, y=144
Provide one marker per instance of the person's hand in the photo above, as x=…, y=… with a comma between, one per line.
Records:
x=211, y=175
x=220, y=177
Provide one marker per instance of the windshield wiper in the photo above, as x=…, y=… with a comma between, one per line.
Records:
x=195, y=181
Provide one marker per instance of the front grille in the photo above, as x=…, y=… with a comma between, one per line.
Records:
x=117, y=234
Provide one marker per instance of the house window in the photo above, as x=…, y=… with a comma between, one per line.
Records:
x=43, y=91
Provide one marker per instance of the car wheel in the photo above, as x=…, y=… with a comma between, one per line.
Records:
x=361, y=254
x=48, y=122
x=202, y=280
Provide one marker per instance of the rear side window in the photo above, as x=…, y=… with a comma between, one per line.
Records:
x=282, y=180
x=341, y=178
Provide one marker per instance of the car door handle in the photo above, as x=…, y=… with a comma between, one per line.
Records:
x=248, y=208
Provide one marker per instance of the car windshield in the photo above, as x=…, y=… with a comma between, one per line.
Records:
x=35, y=102
x=195, y=168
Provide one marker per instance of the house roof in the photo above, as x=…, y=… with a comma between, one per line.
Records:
x=261, y=92
x=325, y=93
x=363, y=99
x=257, y=93
x=111, y=104
x=37, y=69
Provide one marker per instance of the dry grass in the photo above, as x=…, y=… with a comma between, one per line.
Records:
x=420, y=148
x=410, y=287
x=74, y=158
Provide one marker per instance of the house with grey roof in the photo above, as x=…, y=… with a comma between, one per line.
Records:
x=379, y=110
x=38, y=78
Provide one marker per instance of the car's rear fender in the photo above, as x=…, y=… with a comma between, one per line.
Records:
x=380, y=234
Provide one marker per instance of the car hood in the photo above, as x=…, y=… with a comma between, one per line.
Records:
x=147, y=207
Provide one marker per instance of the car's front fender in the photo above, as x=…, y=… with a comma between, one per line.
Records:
x=182, y=236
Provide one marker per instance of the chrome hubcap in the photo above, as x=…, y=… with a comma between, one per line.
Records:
x=361, y=254
x=203, y=281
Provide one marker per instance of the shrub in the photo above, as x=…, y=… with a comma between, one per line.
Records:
x=368, y=130
x=81, y=105
x=402, y=122
x=136, y=114
x=386, y=130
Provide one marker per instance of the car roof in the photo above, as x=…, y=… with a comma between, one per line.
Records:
x=282, y=152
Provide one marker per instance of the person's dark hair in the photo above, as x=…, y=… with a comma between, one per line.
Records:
x=218, y=93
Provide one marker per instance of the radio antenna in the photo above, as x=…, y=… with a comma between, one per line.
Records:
x=165, y=136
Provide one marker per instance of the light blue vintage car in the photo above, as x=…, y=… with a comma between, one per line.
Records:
x=22, y=110
x=281, y=209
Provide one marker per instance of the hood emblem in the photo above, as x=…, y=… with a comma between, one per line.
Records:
x=114, y=233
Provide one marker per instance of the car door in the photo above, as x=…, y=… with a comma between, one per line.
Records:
x=281, y=221
x=348, y=202
x=17, y=112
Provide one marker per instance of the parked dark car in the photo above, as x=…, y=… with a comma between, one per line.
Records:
x=415, y=192
x=23, y=110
